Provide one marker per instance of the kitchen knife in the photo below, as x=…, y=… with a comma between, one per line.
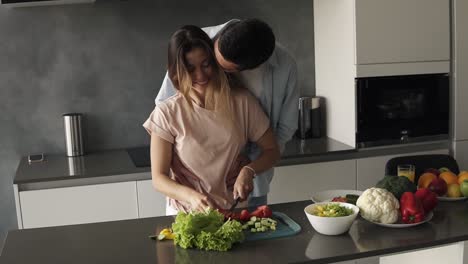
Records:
x=234, y=205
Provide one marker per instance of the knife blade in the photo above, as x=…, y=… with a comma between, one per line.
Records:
x=234, y=205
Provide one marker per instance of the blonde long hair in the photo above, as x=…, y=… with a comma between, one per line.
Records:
x=218, y=96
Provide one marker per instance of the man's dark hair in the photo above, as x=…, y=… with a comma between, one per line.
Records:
x=247, y=43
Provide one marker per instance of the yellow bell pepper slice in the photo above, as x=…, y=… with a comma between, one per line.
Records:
x=166, y=233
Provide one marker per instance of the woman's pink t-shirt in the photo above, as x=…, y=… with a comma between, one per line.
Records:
x=206, y=152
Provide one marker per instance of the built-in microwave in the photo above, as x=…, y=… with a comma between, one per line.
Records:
x=401, y=109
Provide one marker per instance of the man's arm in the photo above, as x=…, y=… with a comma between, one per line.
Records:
x=287, y=123
x=167, y=90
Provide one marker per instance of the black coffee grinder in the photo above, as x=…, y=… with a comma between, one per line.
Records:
x=310, y=118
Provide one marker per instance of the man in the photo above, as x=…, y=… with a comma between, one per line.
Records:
x=247, y=49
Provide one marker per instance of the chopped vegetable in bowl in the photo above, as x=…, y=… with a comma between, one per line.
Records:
x=332, y=210
x=331, y=218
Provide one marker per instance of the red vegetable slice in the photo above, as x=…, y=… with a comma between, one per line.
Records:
x=340, y=199
x=244, y=215
x=257, y=213
x=267, y=212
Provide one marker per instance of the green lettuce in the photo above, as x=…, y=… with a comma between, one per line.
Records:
x=206, y=230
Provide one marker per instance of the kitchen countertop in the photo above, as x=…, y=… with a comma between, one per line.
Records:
x=117, y=165
x=127, y=241
x=119, y=162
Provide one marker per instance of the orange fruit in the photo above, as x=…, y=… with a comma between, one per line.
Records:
x=462, y=176
x=449, y=177
x=425, y=179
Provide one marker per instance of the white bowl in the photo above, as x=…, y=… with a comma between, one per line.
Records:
x=331, y=225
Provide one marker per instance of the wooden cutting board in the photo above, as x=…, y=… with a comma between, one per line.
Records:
x=285, y=227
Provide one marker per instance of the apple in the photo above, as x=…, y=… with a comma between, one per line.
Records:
x=464, y=188
x=453, y=190
x=428, y=199
x=443, y=169
x=438, y=186
x=436, y=172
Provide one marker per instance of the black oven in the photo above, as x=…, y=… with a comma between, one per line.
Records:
x=401, y=109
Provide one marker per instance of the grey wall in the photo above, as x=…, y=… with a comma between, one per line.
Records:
x=107, y=60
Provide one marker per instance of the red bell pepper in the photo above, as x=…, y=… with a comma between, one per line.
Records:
x=411, y=208
x=428, y=199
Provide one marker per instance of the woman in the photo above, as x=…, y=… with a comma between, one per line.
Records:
x=198, y=134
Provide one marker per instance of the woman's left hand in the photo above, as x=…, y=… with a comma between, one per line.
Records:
x=244, y=184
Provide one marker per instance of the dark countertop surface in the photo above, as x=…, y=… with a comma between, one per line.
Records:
x=127, y=241
x=134, y=163
x=137, y=160
x=60, y=167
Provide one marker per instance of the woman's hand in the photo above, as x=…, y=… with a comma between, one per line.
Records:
x=161, y=159
x=200, y=202
x=244, y=184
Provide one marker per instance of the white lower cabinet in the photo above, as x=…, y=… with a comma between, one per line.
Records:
x=79, y=205
x=451, y=253
x=370, y=260
x=151, y=203
x=298, y=182
x=465, y=251
x=371, y=170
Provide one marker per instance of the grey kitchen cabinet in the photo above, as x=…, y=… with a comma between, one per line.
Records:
x=402, y=31
x=298, y=182
x=461, y=154
x=371, y=170
x=151, y=203
x=78, y=205
x=381, y=37
x=460, y=68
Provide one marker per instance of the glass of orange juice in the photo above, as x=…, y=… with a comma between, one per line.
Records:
x=407, y=170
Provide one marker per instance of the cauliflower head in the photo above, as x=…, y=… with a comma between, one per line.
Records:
x=378, y=205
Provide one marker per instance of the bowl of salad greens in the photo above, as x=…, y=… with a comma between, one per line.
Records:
x=331, y=218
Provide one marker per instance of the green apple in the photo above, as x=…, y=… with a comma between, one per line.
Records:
x=464, y=188
x=443, y=169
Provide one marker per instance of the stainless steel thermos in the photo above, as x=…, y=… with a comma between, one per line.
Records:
x=73, y=134
x=76, y=165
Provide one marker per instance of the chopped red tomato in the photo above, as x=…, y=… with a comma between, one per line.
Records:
x=262, y=211
x=244, y=215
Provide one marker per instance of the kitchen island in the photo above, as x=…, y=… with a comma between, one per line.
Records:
x=127, y=241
